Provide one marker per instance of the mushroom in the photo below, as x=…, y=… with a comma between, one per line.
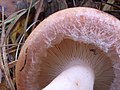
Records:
x=73, y=49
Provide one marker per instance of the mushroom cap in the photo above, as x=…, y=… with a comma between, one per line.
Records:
x=79, y=24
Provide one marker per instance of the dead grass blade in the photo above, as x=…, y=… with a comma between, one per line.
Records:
x=38, y=11
x=108, y=7
x=18, y=47
x=4, y=55
x=13, y=23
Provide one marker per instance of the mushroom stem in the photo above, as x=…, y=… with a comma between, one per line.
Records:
x=74, y=78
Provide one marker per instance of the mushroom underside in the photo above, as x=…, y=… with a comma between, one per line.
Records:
x=70, y=53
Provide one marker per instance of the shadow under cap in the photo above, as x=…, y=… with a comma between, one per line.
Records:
x=80, y=24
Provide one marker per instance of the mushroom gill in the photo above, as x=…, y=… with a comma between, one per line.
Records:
x=70, y=53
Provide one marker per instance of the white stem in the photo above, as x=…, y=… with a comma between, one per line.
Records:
x=74, y=78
